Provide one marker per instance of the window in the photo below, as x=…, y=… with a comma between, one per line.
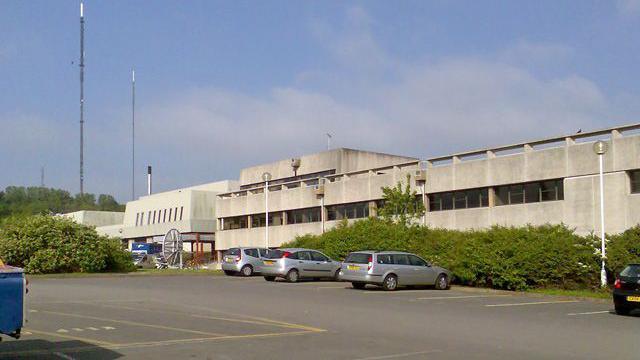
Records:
x=170, y=211
x=164, y=215
x=634, y=176
x=181, y=208
x=154, y=216
x=304, y=255
x=252, y=252
x=275, y=219
x=149, y=218
x=301, y=216
x=141, y=218
x=549, y=190
x=236, y=222
x=316, y=256
x=400, y=259
x=357, y=258
x=348, y=211
x=416, y=261
x=464, y=199
x=264, y=252
x=175, y=213
x=257, y=220
x=384, y=259
x=137, y=218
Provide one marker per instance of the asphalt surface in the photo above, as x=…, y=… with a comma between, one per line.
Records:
x=202, y=317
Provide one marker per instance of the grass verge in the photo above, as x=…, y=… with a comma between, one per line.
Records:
x=583, y=293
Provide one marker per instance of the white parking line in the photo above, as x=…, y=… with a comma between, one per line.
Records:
x=590, y=313
x=395, y=292
x=92, y=328
x=62, y=331
x=397, y=356
x=459, y=297
x=63, y=356
x=77, y=329
x=535, y=303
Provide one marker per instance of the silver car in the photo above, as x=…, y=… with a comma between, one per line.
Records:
x=243, y=260
x=391, y=269
x=295, y=264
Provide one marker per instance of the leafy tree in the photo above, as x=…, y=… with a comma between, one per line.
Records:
x=401, y=204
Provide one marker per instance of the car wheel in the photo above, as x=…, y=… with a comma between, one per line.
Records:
x=270, y=278
x=620, y=310
x=246, y=270
x=336, y=276
x=390, y=283
x=229, y=272
x=293, y=276
x=358, y=285
x=442, y=282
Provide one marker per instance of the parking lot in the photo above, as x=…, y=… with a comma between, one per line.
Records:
x=215, y=317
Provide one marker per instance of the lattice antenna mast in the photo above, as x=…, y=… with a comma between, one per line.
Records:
x=81, y=98
x=133, y=134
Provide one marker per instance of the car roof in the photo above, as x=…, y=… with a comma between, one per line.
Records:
x=246, y=247
x=381, y=252
x=296, y=249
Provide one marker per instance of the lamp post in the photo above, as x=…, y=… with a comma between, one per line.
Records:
x=266, y=177
x=600, y=148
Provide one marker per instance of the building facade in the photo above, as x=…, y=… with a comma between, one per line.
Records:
x=552, y=180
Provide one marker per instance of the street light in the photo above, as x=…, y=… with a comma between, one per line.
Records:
x=600, y=148
x=266, y=177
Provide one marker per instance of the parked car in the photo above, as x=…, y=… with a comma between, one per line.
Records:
x=243, y=260
x=626, y=291
x=296, y=264
x=391, y=269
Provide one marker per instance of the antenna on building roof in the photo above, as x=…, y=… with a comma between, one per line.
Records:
x=133, y=134
x=329, y=141
x=81, y=98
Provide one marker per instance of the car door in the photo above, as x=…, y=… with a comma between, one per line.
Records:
x=422, y=272
x=323, y=266
x=305, y=264
x=253, y=258
x=403, y=269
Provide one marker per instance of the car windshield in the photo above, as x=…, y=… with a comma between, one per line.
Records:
x=631, y=271
x=357, y=258
x=234, y=251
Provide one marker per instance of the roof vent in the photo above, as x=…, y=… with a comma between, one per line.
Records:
x=295, y=164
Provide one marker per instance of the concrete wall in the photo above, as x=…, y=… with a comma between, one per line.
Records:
x=96, y=218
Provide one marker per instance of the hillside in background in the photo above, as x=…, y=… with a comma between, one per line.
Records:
x=20, y=200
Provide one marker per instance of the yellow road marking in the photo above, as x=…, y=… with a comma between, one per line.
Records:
x=535, y=303
x=133, y=323
x=97, y=342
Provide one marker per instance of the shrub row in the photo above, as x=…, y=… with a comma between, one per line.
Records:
x=45, y=244
x=514, y=258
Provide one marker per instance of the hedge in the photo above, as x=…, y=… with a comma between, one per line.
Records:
x=45, y=244
x=513, y=258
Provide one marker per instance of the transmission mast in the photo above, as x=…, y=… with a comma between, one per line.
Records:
x=133, y=134
x=81, y=98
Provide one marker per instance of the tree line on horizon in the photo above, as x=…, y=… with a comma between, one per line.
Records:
x=32, y=200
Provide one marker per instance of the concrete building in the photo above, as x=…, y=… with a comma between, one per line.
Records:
x=190, y=210
x=553, y=180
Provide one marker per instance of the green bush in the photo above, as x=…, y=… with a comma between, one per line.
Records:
x=622, y=249
x=514, y=258
x=45, y=244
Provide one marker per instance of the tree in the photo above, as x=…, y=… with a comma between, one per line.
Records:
x=401, y=204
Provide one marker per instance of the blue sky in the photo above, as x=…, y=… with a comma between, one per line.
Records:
x=224, y=85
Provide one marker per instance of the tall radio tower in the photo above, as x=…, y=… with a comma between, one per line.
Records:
x=81, y=98
x=133, y=134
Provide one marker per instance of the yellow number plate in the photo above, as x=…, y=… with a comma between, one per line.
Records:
x=229, y=260
x=353, y=267
x=633, y=298
x=267, y=262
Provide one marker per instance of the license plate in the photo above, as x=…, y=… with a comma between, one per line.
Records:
x=633, y=298
x=268, y=262
x=229, y=260
x=353, y=267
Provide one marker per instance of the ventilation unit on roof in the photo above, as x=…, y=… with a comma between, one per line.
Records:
x=295, y=164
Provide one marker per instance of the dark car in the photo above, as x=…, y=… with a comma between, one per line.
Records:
x=626, y=291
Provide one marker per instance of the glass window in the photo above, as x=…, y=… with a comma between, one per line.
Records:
x=264, y=252
x=631, y=271
x=137, y=217
x=294, y=256
x=236, y=222
x=400, y=259
x=164, y=215
x=447, y=201
x=170, y=211
x=460, y=200
x=303, y=215
x=532, y=192
x=516, y=194
x=252, y=252
x=435, y=202
x=304, y=255
x=348, y=211
x=357, y=258
x=384, y=259
x=141, y=218
x=416, y=261
x=316, y=256
x=275, y=219
x=175, y=213
x=233, y=251
x=181, y=208
x=257, y=220
x=149, y=218
x=634, y=176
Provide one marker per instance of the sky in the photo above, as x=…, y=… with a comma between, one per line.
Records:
x=222, y=85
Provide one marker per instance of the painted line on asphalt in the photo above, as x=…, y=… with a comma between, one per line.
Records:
x=397, y=356
x=133, y=323
x=63, y=356
x=72, y=337
x=369, y=292
x=534, y=303
x=460, y=297
x=590, y=313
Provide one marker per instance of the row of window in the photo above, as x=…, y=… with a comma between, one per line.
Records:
x=159, y=216
x=538, y=191
x=634, y=177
